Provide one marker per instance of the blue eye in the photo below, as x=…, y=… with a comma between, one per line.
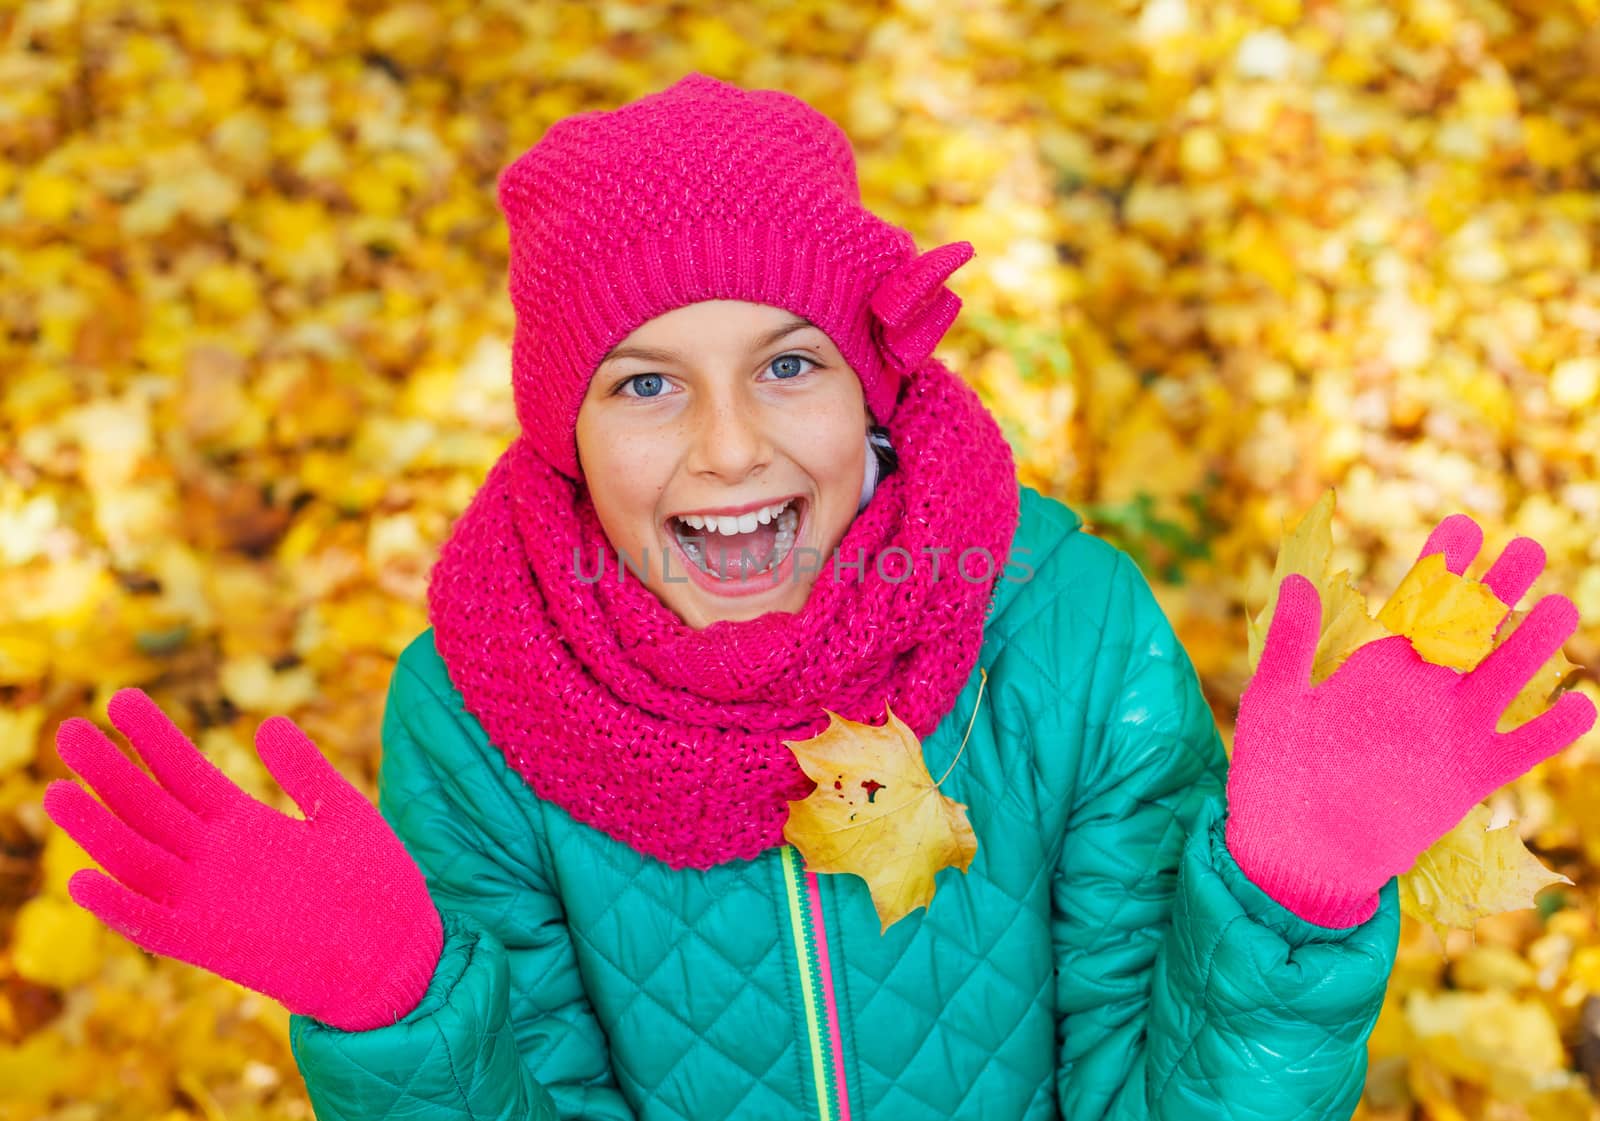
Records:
x=652, y=379
x=792, y=358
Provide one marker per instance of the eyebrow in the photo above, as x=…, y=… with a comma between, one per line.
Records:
x=655, y=354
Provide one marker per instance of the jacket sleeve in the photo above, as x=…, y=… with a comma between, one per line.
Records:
x=505, y=1030
x=1183, y=991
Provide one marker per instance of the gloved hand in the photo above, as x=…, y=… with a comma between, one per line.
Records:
x=1333, y=790
x=328, y=915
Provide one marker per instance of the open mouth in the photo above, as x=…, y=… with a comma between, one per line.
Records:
x=739, y=548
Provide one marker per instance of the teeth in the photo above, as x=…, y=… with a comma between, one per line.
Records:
x=788, y=521
x=743, y=523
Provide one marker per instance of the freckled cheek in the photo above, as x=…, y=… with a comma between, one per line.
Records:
x=625, y=485
x=830, y=435
x=637, y=492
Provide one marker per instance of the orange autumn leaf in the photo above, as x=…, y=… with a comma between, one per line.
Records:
x=877, y=813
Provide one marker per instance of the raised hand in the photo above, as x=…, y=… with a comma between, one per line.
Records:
x=328, y=915
x=1334, y=789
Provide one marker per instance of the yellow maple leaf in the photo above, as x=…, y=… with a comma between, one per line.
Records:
x=1473, y=871
x=1449, y=619
x=1346, y=623
x=877, y=813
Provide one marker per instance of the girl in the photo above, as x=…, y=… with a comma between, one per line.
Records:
x=578, y=900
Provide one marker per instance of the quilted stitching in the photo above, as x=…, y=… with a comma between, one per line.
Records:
x=731, y=1054
x=1103, y=957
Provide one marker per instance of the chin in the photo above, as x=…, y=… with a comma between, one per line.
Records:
x=700, y=612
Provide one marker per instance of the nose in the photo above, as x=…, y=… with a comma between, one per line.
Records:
x=729, y=438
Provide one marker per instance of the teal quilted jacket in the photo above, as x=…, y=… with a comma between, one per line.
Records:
x=1103, y=957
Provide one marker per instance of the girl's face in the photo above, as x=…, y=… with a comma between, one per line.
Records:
x=735, y=412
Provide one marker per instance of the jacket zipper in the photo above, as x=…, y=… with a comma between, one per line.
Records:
x=816, y=984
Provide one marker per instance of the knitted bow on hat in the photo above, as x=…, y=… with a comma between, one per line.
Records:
x=1334, y=789
x=912, y=308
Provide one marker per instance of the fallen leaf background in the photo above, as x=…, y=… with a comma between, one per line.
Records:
x=253, y=360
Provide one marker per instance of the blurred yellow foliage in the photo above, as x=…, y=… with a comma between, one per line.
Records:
x=1229, y=255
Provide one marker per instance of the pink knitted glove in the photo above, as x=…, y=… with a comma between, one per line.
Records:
x=327, y=915
x=1332, y=790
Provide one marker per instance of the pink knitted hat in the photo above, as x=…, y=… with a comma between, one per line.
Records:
x=755, y=199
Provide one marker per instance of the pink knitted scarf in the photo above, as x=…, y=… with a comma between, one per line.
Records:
x=670, y=739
